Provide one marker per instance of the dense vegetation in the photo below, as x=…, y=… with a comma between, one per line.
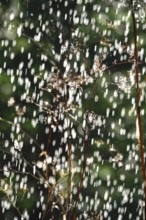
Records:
x=72, y=109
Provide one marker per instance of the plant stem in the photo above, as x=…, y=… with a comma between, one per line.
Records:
x=138, y=104
x=82, y=176
x=70, y=172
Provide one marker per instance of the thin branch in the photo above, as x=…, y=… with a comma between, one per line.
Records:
x=23, y=173
x=12, y=203
x=42, y=49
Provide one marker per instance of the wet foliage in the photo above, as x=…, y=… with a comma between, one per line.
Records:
x=68, y=120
